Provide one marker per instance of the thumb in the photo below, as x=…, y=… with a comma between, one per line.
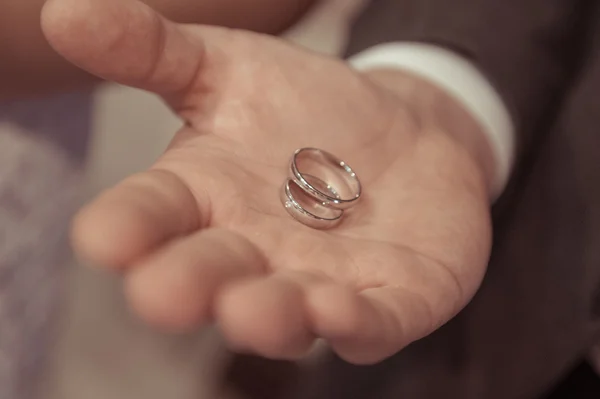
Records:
x=124, y=41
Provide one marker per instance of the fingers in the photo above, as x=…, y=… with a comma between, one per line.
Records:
x=280, y=316
x=132, y=219
x=123, y=41
x=217, y=275
x=367, y=327
x=175, y=286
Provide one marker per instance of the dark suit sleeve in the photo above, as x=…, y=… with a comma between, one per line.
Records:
x=528, y=49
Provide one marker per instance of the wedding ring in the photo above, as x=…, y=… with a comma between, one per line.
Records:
x=327, y=168
x=320, y=188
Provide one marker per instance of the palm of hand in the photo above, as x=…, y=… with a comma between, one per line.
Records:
x=203, y=234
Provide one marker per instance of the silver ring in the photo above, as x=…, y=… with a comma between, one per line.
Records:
x=319, y=199
x=325, y=218
x=348, y=185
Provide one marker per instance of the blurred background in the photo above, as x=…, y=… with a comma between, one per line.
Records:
x=104, y=352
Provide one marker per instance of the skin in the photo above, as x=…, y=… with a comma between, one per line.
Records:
x=201, y=237
x=30, y=66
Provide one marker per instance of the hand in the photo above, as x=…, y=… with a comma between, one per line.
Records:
x=202, y=236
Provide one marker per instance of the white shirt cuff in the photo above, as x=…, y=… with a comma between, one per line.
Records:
x=464, y=82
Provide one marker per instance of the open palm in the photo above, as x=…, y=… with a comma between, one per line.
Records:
x=202, y=236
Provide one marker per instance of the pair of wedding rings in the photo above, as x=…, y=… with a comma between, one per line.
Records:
x=320, y=188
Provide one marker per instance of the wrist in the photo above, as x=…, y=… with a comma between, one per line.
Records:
x=439, y=113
